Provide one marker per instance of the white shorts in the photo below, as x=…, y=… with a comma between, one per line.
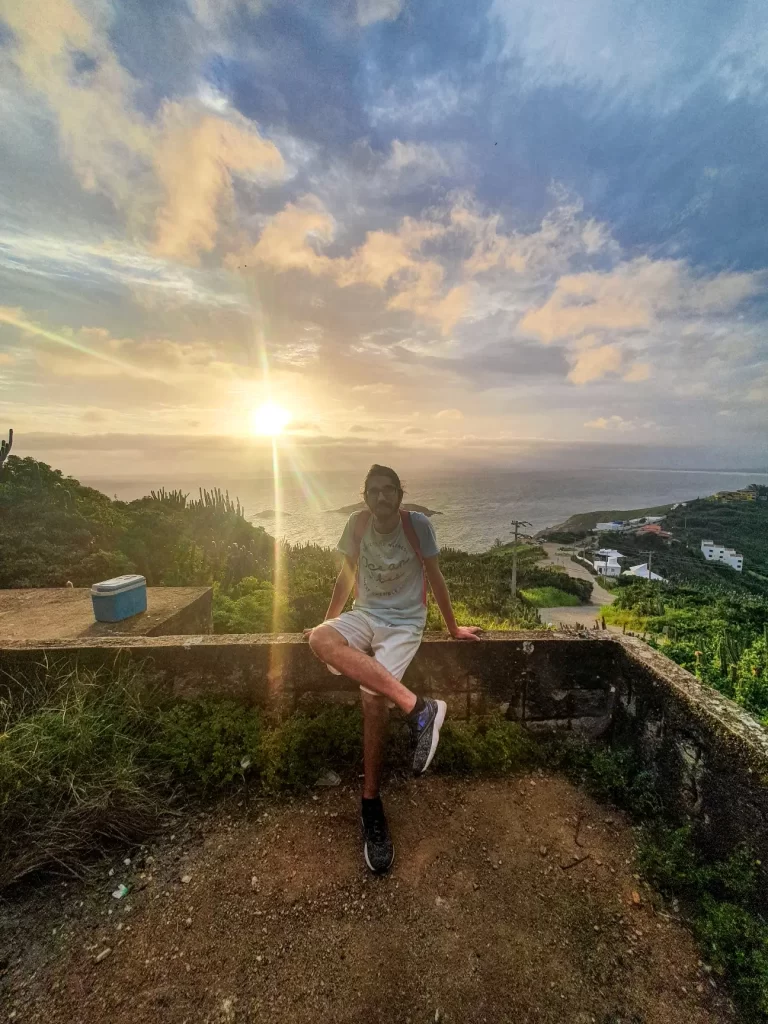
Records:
x=392, y=646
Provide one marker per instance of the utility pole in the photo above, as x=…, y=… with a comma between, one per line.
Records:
x=517, y=523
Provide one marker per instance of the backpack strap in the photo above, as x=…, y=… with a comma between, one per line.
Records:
x=413, y=540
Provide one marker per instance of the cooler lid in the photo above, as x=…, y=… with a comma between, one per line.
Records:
x=118, y=585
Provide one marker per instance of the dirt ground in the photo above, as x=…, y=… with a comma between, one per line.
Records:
x=509, y=901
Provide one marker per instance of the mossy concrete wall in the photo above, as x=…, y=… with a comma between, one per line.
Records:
x=709, y=757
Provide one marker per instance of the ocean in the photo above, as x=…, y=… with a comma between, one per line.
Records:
x=475, y=508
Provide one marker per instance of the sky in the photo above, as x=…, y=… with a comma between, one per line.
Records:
x=436, y=233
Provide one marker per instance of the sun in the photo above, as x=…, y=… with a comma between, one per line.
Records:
x=269, y=419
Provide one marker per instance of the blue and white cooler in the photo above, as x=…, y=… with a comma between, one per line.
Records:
x=119, y=598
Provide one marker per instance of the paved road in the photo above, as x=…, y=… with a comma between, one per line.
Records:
x=578, y=615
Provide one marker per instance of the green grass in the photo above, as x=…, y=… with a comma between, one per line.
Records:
x=88, y=759
x=549, y=597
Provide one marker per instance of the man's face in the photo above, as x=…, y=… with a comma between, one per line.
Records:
x=382, y=496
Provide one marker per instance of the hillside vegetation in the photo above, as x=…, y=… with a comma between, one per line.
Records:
x=54, y=531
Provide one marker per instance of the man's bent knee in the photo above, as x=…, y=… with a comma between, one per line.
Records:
x=324, y=639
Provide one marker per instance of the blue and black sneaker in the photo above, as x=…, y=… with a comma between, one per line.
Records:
x=425, y=733
x=378, y=850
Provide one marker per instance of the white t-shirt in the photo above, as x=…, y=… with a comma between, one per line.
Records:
x=390, y=580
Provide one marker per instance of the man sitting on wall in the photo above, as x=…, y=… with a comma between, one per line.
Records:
x=389, y=555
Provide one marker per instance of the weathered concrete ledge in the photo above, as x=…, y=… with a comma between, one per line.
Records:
x=40, y=615
x=709, y=757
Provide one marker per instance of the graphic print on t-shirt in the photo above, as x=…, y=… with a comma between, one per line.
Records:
x=386, y=565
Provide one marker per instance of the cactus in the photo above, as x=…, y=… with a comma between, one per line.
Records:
x=5, y=449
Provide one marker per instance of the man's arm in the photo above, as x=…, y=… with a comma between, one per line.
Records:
x=341, y=588
x=443, y=598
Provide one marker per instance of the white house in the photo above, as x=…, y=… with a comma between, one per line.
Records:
x=607, y=567
x=609, y=553
x=642, y=572
x=615, y=527
x=719, y=553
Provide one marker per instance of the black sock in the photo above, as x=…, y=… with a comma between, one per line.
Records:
x=418, y=707
x=371, y=807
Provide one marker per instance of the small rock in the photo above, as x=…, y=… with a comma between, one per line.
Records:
x=186, y=879
x=188, y=922
x=254, y=882
x=543, y=851
x=329, y=778
x=440, y=902
x=103, y=955
x=636, y=898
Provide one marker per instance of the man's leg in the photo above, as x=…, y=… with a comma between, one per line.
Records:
x=378, y=849
x=375, y=722
x=332, y=648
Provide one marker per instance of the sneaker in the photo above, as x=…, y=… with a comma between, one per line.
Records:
x=378, y=850
x=425, y=734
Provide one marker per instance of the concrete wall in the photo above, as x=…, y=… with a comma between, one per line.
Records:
x=546, y=681
x=709, y=757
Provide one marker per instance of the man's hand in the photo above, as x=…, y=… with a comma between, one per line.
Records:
x=308, y=631
x=467, y=632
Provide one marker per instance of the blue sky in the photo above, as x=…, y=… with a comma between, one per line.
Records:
x=437, y=232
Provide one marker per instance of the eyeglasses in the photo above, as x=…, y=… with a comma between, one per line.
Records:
x=388, y=491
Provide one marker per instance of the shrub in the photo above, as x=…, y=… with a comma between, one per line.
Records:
x=208, y=742
x=549, y=597
x=493, y=746
x=75, y=770
x=300, y=749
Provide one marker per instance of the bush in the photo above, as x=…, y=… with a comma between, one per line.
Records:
x=493, y=746
x=300, y=749
x=549, y=597
x=208, y=742
x=75, y=769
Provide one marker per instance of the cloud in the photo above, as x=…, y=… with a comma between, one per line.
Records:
x=563, y=234
x=449, y=414
x=182, y=162
x=618, y=423
x=370, y=11
x=633, y=295
x=68, y=60
x=413, y=430
x=385, y=259
x=361, y=428
x=638, y=372
x=194, y=159
x=116, y=264
x=374, y=389
x=593, y=363
x=758, y=392
x=406, y=156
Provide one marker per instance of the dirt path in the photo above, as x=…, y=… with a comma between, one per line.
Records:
x=488, y=915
